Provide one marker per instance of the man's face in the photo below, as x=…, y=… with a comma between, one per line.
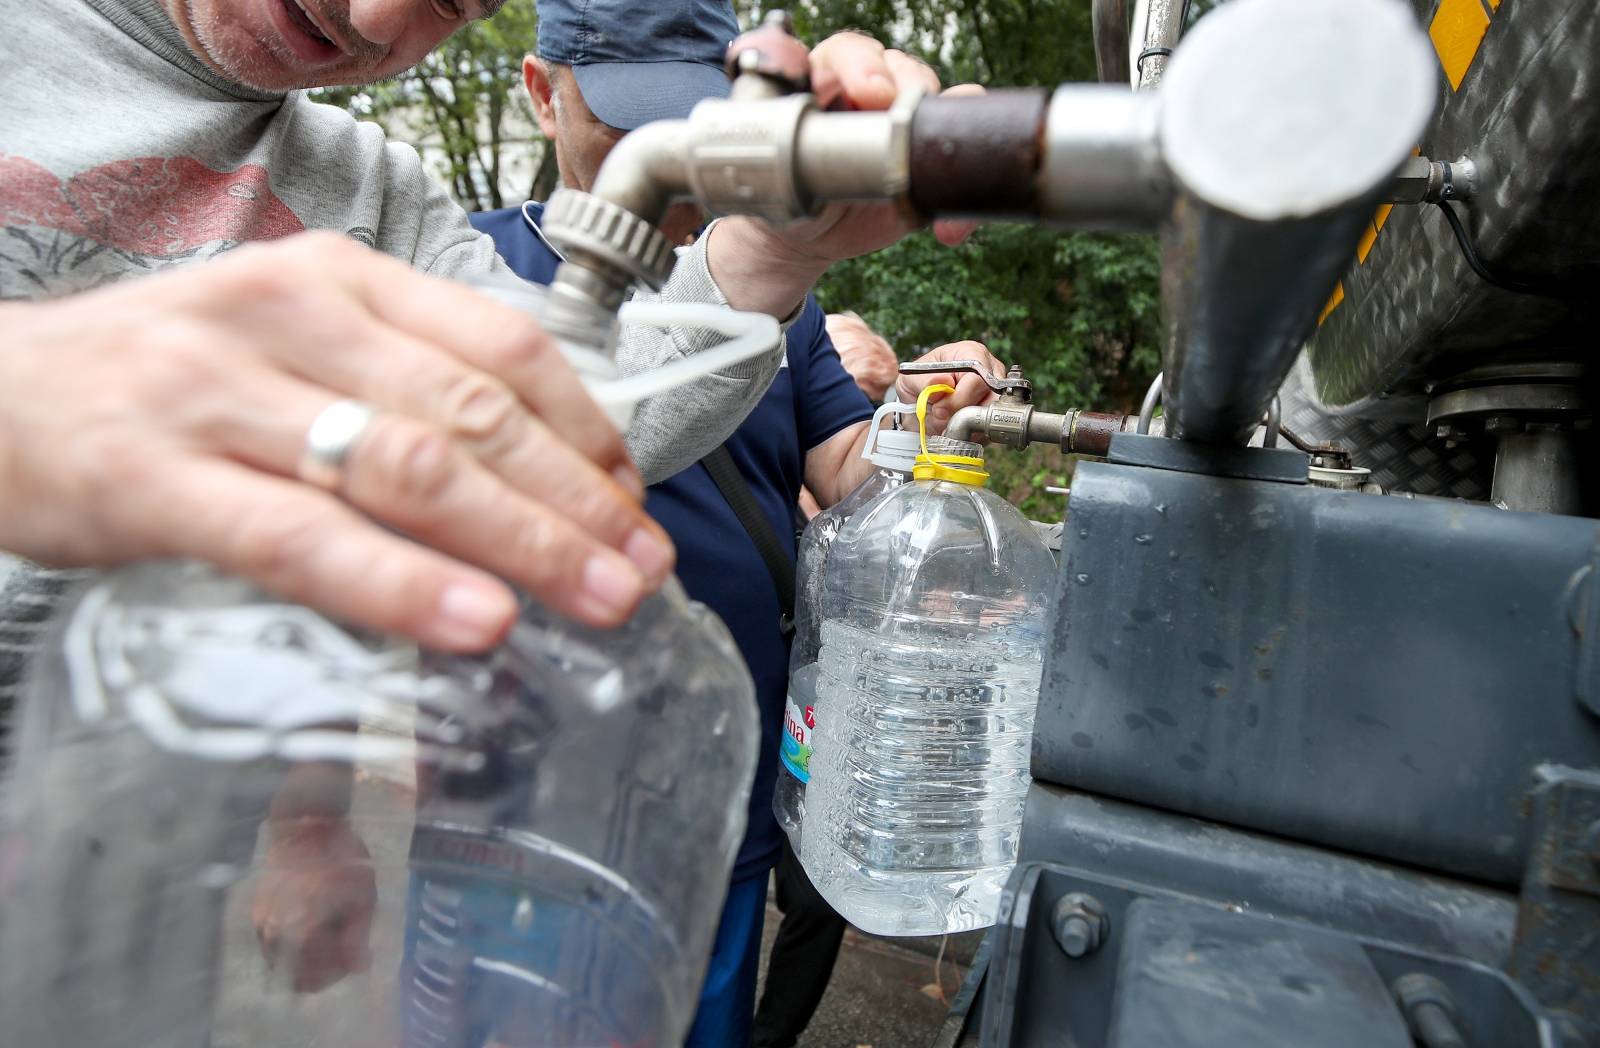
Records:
x=583, y=140
x=280, y=45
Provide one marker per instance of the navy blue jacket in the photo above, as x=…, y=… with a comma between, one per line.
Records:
x=812, y=398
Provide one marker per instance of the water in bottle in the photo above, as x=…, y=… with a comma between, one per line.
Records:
x=932, y=623
x=893, y=452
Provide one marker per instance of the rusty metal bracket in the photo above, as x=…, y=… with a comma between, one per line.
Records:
x=1556, y=950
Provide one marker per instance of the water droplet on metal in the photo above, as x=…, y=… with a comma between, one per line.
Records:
x=522, y=917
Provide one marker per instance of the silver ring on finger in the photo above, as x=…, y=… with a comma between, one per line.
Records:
x=334, y=433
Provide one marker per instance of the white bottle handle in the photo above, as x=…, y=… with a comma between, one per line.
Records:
x=751, y=334
x=892, y=407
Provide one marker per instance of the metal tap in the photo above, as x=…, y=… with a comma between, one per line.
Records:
x=1011, y=419
x=1254, y=238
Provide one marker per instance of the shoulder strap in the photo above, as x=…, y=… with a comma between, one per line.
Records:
x=725, y=474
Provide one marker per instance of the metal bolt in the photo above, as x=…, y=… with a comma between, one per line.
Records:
x=1429, y=1009
x=1080, y=924
x=1412, y=181
x=1496, y=425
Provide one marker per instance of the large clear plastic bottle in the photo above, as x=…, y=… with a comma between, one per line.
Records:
x=932, y=624
x=233, y=822
x=893, y=452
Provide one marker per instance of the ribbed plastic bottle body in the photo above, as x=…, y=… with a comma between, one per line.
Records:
x=799, y=714
x=231, y=822
x=933, y=618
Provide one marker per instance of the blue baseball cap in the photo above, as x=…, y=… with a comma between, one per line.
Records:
x=640, y=60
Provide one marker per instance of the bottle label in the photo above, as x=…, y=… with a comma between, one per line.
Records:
x=798, y=723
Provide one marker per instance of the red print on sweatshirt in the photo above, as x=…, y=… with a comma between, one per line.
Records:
x=124, y=217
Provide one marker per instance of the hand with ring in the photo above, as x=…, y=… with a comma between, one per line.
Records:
x=378, y=444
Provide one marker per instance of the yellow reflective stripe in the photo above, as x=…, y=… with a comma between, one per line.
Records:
x=1364, y=246
x=1334, y=300
x=1457, y=29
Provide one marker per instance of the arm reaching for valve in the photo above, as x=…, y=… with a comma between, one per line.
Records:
x=771, y=270
x=748, y=265
x=835, y=466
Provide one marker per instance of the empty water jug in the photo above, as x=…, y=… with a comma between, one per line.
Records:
x=233, y=822
x=932, y=623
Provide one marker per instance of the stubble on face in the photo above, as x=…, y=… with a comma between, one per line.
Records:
x=237, y=39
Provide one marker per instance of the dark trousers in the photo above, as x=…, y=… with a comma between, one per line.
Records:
x=802, y=958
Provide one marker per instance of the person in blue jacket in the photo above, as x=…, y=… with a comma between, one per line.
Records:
x=601, y=71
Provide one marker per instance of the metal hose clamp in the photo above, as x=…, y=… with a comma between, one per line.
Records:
x=898, y=175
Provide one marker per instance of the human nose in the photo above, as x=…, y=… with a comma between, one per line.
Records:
x=384, y=21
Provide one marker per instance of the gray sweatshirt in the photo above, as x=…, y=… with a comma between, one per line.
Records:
x=122, y=154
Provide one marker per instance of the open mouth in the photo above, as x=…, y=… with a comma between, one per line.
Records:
x=302, y=19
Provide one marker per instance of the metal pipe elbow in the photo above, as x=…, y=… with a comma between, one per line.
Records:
x=966, y=422
x=646, y=170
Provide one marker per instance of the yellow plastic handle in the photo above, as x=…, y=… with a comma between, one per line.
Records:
x=959, y=469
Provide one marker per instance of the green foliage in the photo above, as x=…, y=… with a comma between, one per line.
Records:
x=1020, y=477
x=998, y=42
x=1079, y=313
x=467, y=99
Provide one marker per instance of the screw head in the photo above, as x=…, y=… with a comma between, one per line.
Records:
x=1079, y=924
x=1077, y=936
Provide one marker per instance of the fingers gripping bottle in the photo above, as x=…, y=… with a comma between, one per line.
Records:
x=932, y=623
x=231, y=822
x=894, y=453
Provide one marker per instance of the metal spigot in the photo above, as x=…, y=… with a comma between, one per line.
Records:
x=1005, y=421
x=1012, y=419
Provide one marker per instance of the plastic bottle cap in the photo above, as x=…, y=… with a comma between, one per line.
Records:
x=959, y=469
x=896, y=449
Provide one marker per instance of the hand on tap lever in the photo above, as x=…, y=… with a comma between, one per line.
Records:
x=970, y=390
x=770, y=270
